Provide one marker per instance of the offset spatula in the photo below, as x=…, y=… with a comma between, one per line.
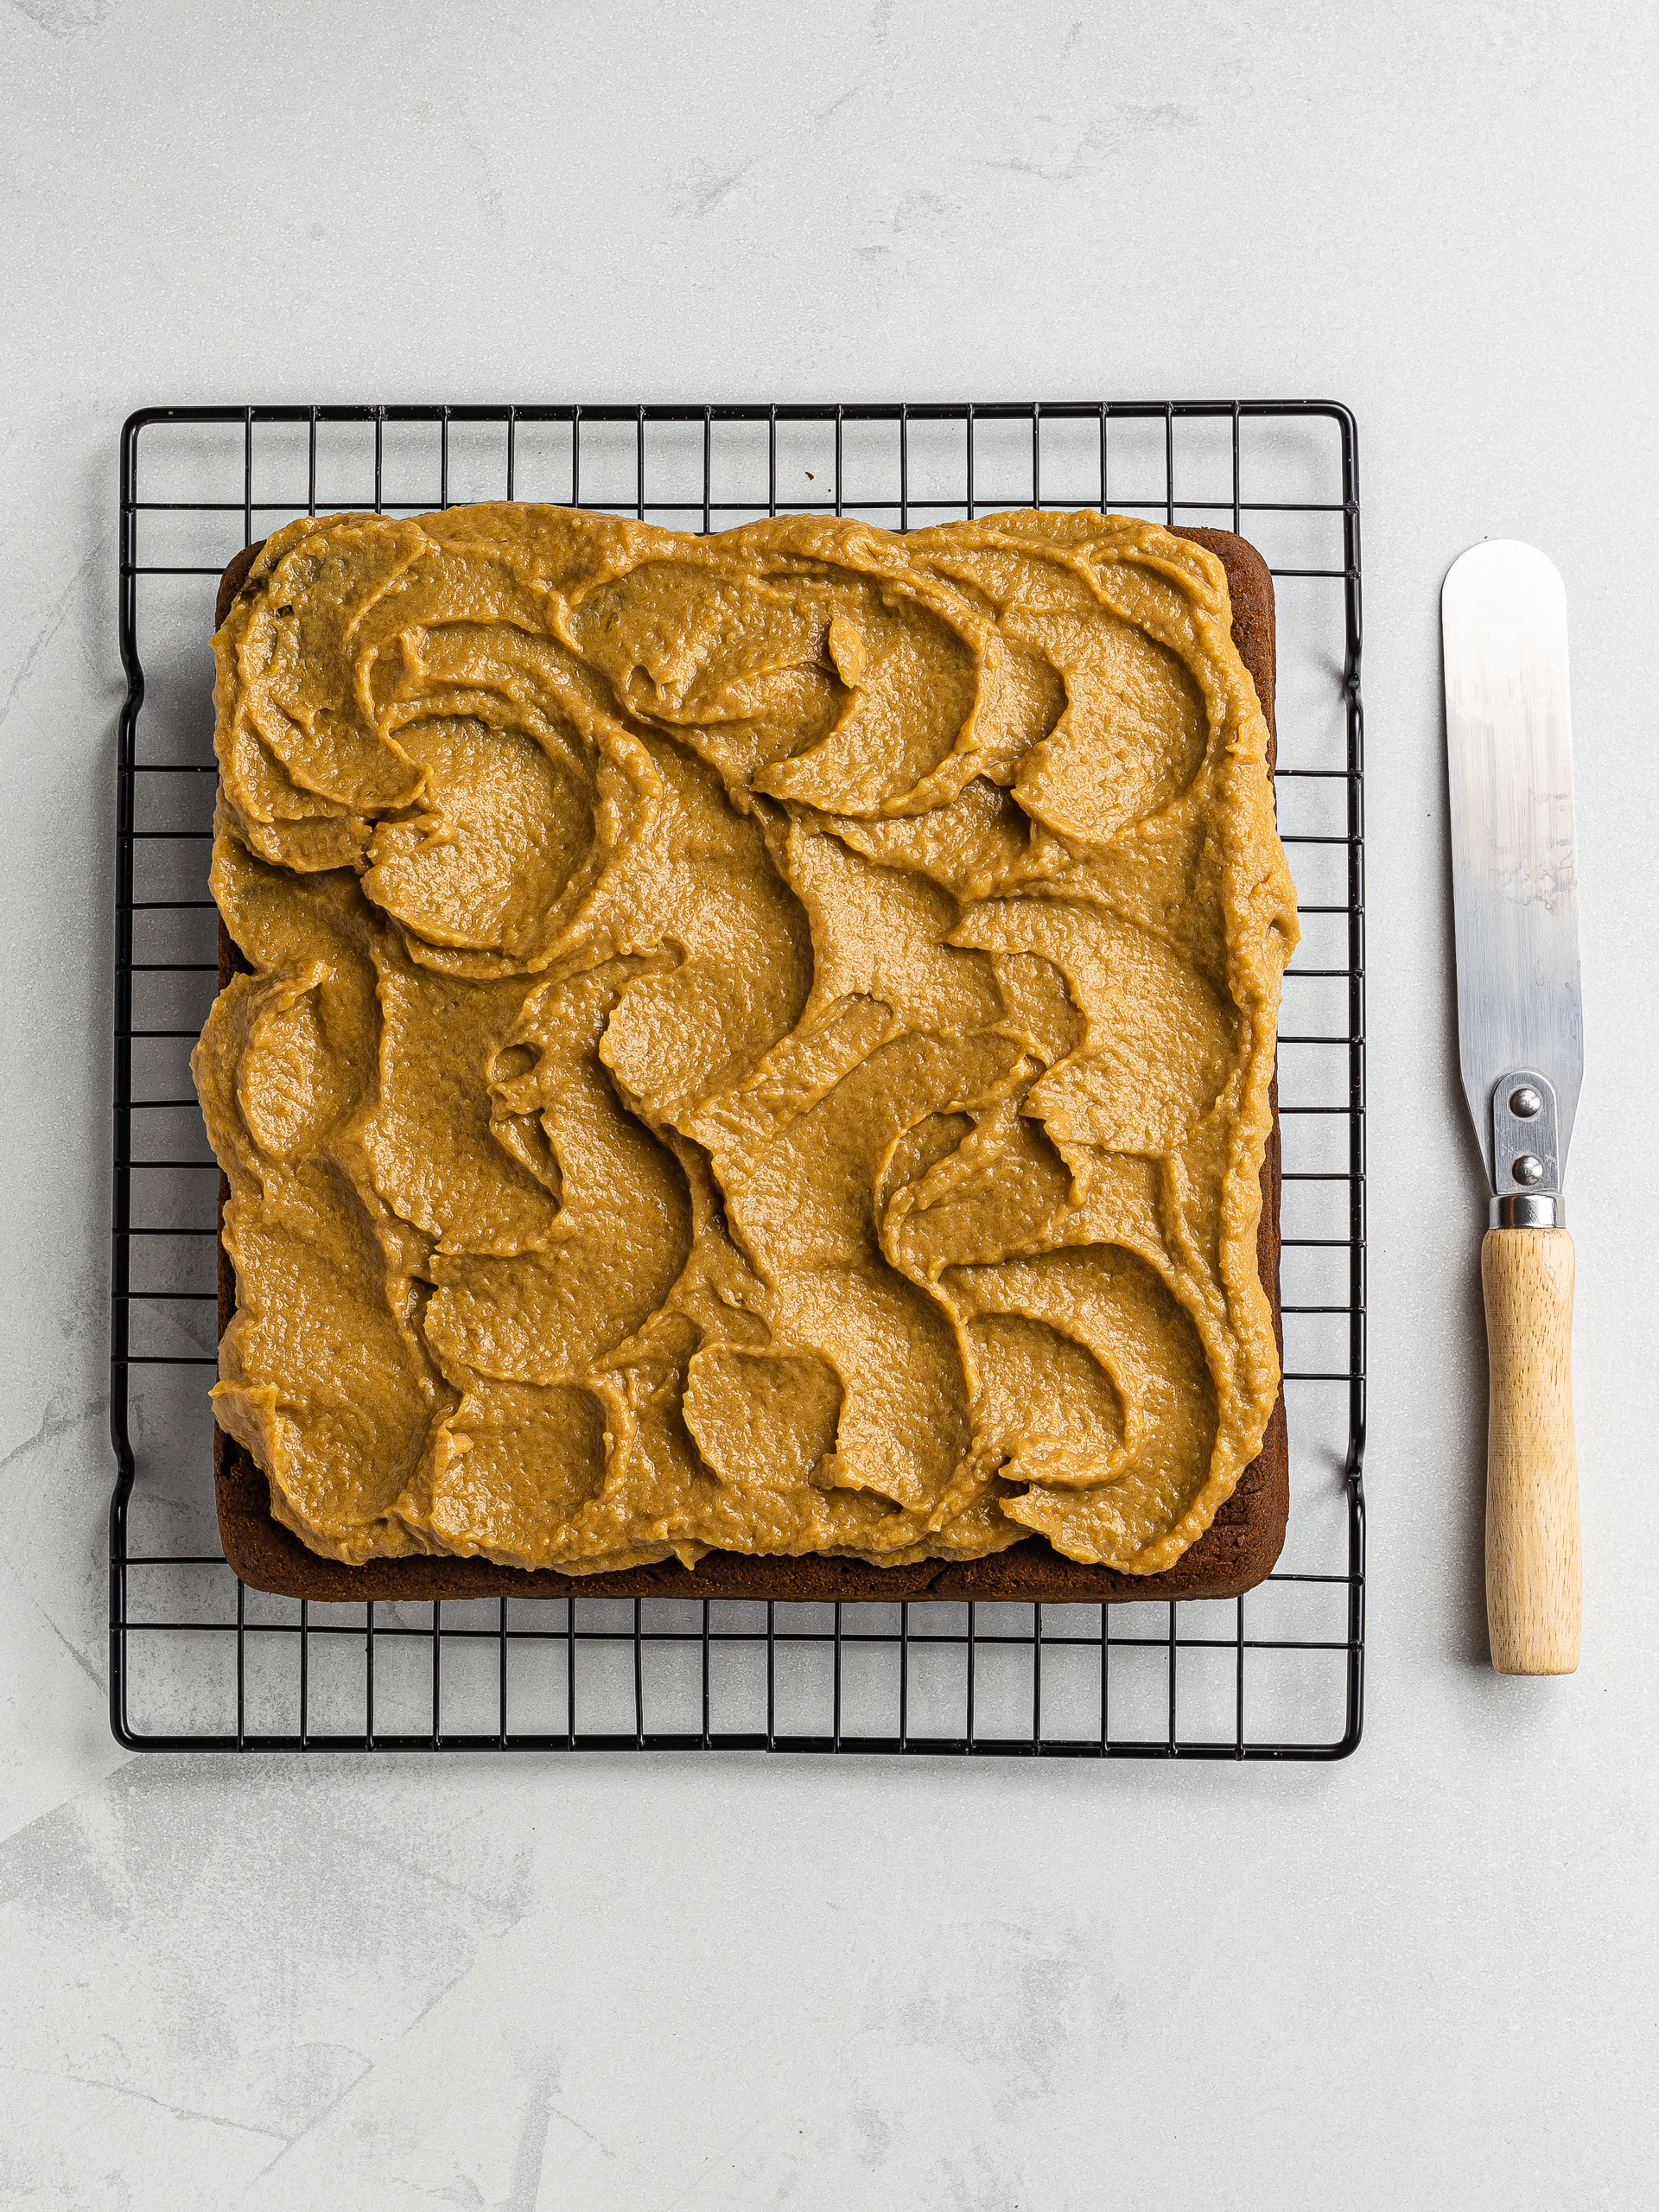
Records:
x=1520, y=1039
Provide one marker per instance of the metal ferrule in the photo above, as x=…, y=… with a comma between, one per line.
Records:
x=1526, y=1152
x=1530, y=1209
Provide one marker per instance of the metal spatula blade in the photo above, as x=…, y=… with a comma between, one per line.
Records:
x=1520, y=1043
x=1515, y=887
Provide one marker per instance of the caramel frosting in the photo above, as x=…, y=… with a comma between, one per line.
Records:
x=759, y=1042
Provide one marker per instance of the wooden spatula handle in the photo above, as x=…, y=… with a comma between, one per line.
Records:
x=1533, y=1570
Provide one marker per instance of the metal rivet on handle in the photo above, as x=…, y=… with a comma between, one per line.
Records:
x=1529, y=1168
x=1525, y=1103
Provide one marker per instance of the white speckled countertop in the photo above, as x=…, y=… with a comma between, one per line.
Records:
x=1425, y=1977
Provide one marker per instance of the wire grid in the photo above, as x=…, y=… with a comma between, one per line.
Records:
x=198, y=1661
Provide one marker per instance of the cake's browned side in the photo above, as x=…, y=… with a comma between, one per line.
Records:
x=1234, y=1553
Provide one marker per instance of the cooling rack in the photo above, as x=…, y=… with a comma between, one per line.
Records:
x=198, y=1662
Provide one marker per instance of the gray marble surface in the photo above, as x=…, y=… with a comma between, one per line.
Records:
x=1425, y=1977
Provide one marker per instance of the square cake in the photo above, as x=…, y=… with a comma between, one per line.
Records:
x=752, y=1061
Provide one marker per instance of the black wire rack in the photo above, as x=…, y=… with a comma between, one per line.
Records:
x=198, y=1661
